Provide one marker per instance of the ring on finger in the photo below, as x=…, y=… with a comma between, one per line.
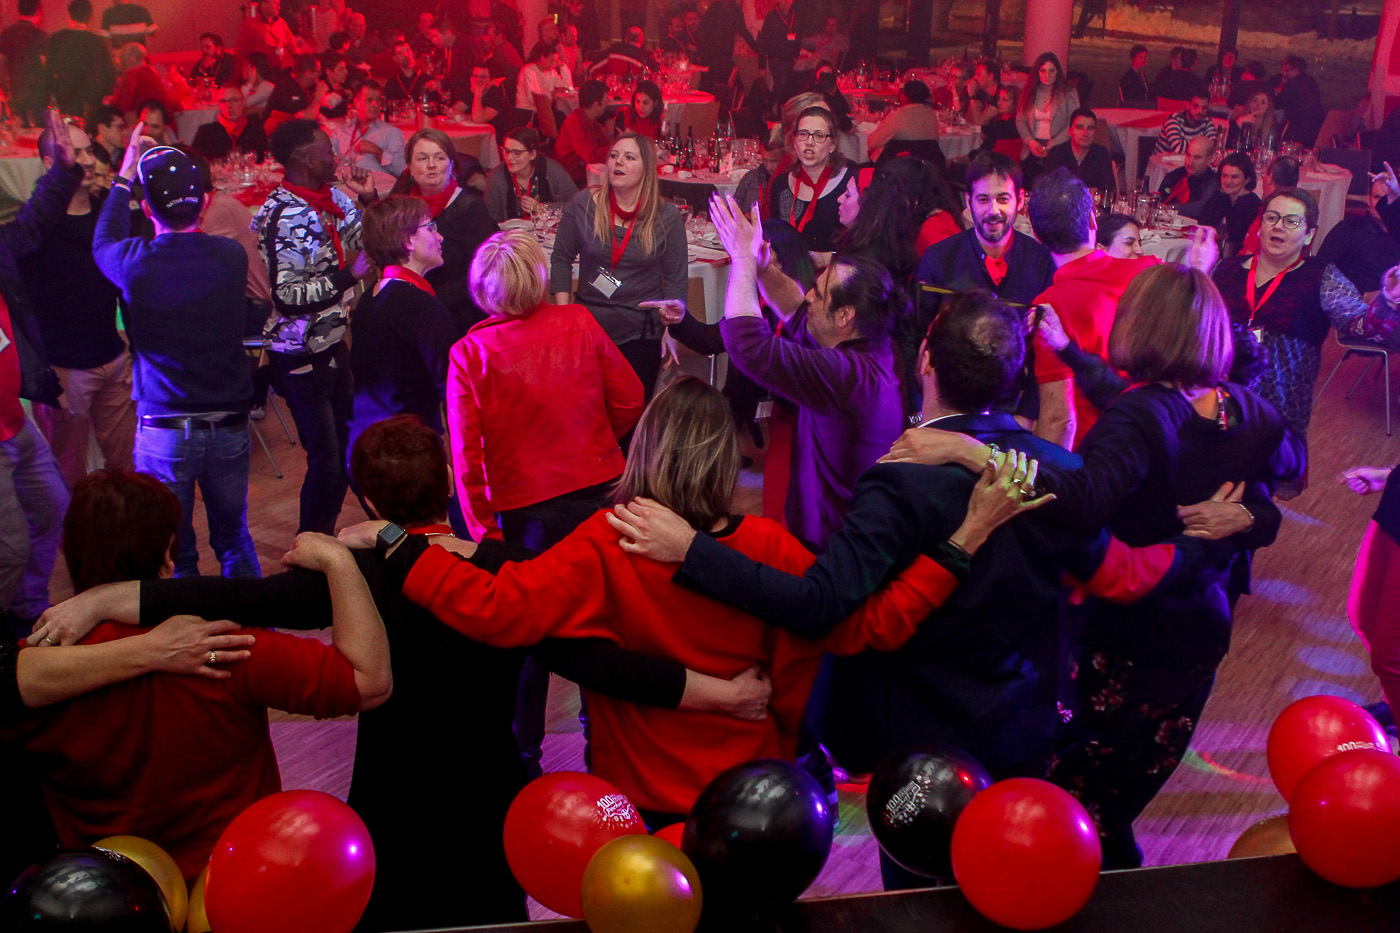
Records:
x=47, y=641
x=213, y=659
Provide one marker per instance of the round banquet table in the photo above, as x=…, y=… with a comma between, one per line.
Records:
x=473, y=139
x=1326, y=183
x=674, y=103
x=20, y=167
x=953, y=140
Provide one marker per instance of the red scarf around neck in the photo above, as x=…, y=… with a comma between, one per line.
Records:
x=322, y=201
x=817, y=187
x=234, y=130
x=405, y=274
x=437, y=203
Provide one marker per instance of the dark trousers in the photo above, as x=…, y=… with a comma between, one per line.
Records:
x=644, y=356
x=540, y=526
x=320, y=394
x=1117, y=757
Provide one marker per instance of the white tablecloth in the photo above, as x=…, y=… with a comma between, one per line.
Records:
x=1126, y=137
x=1327, y=184
x=709, y=277
x=19, y=172
x=1167, y=246
x=188, y=122
x=954, y=141
x=673, y=110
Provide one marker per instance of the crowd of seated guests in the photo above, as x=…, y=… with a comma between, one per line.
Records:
x=862, y=299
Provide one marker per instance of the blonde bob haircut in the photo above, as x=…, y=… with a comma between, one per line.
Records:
x=648, y=220
x=509, y=274
x=1172, y=326
x=684, y=454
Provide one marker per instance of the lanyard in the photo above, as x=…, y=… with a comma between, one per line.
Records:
x=816, y=194
x=1268, y=292
x=529, y=185
x=404, y=274
x=632, y=222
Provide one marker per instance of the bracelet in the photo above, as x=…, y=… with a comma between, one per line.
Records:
x=120, y=182
x=1247, y=512
x=960, y=549
x=994, y=451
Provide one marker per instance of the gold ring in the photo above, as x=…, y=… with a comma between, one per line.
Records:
x=212, y=660
x=47, y=641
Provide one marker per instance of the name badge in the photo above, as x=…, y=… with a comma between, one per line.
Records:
x=1258, y=333
x=764, y=411
x=606, y=284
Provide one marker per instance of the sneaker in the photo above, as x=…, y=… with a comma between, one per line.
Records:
x=257, y=413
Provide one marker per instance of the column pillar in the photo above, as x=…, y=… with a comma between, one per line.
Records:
x=1047, y=29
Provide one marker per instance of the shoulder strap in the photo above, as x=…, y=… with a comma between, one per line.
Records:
x=270, y=251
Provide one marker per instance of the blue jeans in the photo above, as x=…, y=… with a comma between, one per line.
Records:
x=320, y=394
x=33, y=500
x=218, y=461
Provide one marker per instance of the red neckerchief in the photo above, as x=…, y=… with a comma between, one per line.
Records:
x=321, y=200
x=521, y=194
x=804, y=179
x=1181, y=191
x=996, y=268
x=234, y=130
x=1268, y=292
x=437, y=203
x=432, y=528
x=405, y=274
x=629, y=217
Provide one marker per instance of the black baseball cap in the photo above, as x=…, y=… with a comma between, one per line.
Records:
x=173, y=185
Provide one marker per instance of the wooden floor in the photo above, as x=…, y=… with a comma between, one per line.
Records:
x=1291, y=640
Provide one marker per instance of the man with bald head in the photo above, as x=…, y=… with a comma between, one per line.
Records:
x=1189, y=187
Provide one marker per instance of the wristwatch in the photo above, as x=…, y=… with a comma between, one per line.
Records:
x=388, y=536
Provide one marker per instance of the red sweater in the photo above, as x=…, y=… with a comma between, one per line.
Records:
x=582, y=140
x=586, y=586
x=535, y=405
x=937, y=227
x=1085, y=295
x=174, y=759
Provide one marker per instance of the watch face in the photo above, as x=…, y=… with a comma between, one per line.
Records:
x=388, y=536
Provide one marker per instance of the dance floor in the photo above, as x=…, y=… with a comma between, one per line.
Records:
x=1291, y=640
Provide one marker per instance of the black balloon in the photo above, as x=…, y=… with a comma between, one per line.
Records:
x=914, y=800
x=85, y=890
x=759, y=834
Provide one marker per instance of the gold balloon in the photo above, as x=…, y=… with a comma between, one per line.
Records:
x=641, y=884
x=159, y=865
x=198, y=921
x=1269, y=836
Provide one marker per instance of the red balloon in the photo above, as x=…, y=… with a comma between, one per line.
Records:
x=671, y=834
x=1026, y=854
x=553, y=828
x=295, y=861
x=1313, y=729
x=1345, y=818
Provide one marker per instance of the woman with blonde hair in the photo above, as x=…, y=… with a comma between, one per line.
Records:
x=808, y=196
x=458, y=211
x=630, y=247
x=403, y=332
x=1180, y=433
x=686, y=457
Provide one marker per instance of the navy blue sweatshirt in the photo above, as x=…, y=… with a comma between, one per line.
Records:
x=185, y=313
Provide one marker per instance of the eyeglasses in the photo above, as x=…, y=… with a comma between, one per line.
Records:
x=514, y=152
x=816, y=136
x=430, y=226
x=1274, y=218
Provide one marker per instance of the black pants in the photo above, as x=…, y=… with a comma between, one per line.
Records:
x=540, y=526
x=320, y=393
x=644, y=356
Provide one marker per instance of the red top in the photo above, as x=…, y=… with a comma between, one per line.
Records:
x=535, y=405
x=936, y=228
x=11, y=412
x=174, y=759
x=1251, y=239
x=586, y=586
x=1085, y=295
x=138, y=85
x=582, y=140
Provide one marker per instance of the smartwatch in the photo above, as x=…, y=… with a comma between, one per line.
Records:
x=388, y=536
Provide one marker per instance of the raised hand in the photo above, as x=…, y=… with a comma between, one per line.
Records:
x=62, y=138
